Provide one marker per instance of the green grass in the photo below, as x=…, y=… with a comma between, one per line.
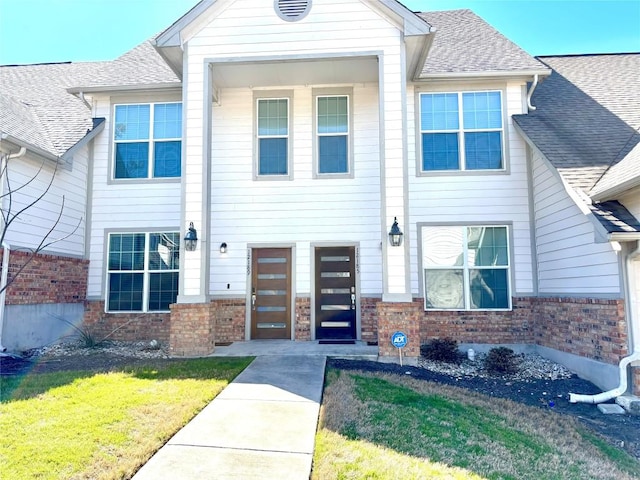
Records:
x=380, y=426
x=103, y=426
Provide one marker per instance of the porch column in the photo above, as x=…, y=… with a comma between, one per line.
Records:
x=192, y=330
x=197, y=110
x=393, y=181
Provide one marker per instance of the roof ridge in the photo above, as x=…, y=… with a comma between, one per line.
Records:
x=586, y=54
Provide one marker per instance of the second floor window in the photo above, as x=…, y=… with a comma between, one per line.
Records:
x=147, y=140
x=333, y=134
x=273, y=136
x=461, y=131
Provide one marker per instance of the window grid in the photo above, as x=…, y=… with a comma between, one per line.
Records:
x=468, y=266
x=273, y=136
x=332, y=130
x=124, y=287
x=472, y=124
x=157, y=141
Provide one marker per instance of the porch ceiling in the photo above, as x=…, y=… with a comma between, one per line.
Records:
x=275, y=73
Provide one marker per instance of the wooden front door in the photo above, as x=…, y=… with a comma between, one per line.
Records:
x=271, y=293
x=335, y=293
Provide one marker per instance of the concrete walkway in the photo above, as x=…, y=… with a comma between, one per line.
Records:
x=262, y=426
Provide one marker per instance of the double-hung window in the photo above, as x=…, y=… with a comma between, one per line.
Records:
x=142, y=272
x=466, y=267
x=147, y=140
x=461, y=131
x=332, y=134
x=273, y=137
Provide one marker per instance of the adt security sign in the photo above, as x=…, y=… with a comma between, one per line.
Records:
x=399, y=339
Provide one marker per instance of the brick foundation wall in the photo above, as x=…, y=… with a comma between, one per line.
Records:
x=369, y=318
x=490, y=327
x=46, y=279
x=192, y=331
x=303, y=319
x=593, y=328
x=126, y=326
x=229, y=319
x=403, y=317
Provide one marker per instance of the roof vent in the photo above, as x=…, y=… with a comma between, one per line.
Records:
x=292, y=10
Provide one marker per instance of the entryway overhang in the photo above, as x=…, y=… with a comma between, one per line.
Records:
x=287, y=71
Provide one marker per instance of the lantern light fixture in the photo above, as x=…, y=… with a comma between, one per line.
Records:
x=395, y=234
x=223, y=247
x=191, y=239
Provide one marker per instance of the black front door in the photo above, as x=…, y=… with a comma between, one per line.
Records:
x=335, y=293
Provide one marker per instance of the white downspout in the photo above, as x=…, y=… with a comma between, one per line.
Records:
x=3, y=281
x=6, y=250
x=531, y=90
x=625, y=362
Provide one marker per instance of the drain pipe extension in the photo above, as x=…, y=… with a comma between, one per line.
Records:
x=625, y=362
x=531, y=90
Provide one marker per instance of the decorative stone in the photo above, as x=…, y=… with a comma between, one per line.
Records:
x=610, y=409
x=630, y=403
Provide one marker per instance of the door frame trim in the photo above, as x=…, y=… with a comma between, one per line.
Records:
x=249, y=260
x=312, y=309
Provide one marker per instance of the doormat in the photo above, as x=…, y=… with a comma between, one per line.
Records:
x=337, y=342
x=223, y=344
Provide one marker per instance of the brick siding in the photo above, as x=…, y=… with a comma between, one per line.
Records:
x=126, y=326
x=229, y=319
x=46, y=279
x=192, y=331
x=303, y=319
x=369, y=319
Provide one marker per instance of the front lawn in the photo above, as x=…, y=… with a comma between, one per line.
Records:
x=80, y=425
x=378, y=426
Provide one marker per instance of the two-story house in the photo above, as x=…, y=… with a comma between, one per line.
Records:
x=334, y=171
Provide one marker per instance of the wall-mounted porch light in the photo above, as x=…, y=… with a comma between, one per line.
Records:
x=191, y=239
x=223, y=247
x=395, y=235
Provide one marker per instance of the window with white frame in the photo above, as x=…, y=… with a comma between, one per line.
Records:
x=147, y=140
x=461, y=131
x=142, y=271
x=273, y=136
x=332, y=134
x=466, y=267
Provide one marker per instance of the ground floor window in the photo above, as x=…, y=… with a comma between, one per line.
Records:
x=143, y=271
x=466, y=267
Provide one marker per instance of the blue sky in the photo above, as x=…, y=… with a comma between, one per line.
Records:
x=34, y=31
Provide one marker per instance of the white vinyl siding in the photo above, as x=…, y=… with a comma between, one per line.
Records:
x=301, y=212
x=66, y=196
x=491, y=198
x=570, y=262
x=304, y=210
x=124, y=206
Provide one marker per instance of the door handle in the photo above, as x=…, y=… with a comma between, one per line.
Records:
x=253, y=299
x=353, y=301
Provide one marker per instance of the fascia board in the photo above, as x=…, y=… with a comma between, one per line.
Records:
x=31, y=148
x=171, y=36
x=412, y=23
x=616, y=191
x=177, y=86
x=445, y=76
x=68, y=155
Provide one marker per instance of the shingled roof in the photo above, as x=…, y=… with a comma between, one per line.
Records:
x=36, y=108
x=465, y=43
x=587, y=119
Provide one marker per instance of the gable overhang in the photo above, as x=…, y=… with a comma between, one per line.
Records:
x=65, y=160
x=416, y=32
x=281, y=71
x=601, y=235
x=617, y=190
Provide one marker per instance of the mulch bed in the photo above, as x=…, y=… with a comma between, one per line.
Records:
x=619, y=430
